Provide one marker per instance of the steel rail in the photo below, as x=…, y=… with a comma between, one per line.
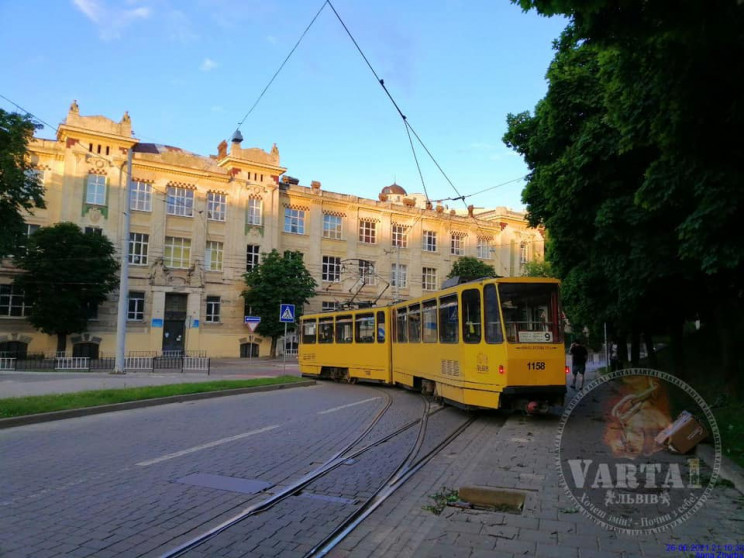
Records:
x=377, y=499
x=338, y=459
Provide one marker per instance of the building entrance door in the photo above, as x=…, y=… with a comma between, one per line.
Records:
x=173, y=336
x=174, y=324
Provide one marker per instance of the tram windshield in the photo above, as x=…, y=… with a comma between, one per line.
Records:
x=531, y=312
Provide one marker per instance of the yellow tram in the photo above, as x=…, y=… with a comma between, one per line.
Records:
x=490, y=343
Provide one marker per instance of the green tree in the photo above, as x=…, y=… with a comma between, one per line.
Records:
x=280, y=279
x=20, y=187
x=468, y=268
x=67, y=273
x=537, y=269
x=629, y=169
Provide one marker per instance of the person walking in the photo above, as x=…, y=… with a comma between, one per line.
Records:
x=579, y=354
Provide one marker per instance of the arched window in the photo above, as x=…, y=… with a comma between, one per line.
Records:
x=249, y=350
x=13, y=349
x=89, y=350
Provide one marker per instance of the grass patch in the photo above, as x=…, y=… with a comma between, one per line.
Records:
x=441, y=499
x=20, y=406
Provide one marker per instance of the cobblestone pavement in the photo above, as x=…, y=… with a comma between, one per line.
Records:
x=521, y=456
x=114, y=484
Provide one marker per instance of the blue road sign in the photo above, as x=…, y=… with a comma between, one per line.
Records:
x=252, y=322
x=287, y=313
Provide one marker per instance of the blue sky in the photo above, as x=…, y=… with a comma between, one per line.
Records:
x=189, y=70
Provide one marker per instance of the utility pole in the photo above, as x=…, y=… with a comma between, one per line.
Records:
x=121, y=318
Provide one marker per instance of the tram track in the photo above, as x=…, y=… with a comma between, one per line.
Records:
x=360, y=448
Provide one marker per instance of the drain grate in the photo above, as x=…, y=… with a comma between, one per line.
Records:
x=231, y=484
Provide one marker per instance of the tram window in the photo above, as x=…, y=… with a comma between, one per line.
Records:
x=429, y=320
x=448, y=319
x=325, y=328
x=344, y=329
x=381, y=327
x=471, y=316
x=309, y=328
x=365, y=328
x=414, y=323
x=401, y=329
x=493, y=320
x=531, y=312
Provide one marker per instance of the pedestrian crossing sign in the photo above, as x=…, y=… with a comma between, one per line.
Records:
x=287, y=313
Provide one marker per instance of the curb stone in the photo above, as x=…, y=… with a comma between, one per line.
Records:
x=729, y=470
x=86, y=411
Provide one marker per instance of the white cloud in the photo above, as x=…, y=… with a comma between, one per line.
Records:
x=111, y=21
x=179, y=27
x=208, y=65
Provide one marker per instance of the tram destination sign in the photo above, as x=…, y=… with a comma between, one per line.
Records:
x=535, y=337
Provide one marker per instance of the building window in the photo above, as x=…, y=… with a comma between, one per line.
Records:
x=136, y=310
x=429, y=279
x=327, y=306
x=93, y=230
x=400, y=236
x=12, y=302
x=213, y=256
x=523, y=253
x=216, y=206
x=141, y=196
x=294, y=221
x=430, y=241
x=253, y=216
x=213, y=309
x=332, y=226
x=180, y=201
x=367, y=272
x=23, y=248
x=331, y=269
x=368, y=232
x=138, y=244
x=252, y=257
x=177, y=252
x=457, y=245
x=95, y=193
x=484, y=249
x=399, y=276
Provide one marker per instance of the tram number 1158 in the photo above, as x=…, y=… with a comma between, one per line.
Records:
x=535, y=366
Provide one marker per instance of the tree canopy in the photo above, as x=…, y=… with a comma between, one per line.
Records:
x=279, y=279
x=631, y=168
x=20, y=187
x=67, y=274
x=468, y=268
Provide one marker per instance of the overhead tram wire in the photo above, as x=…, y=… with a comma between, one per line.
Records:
x=283, y=63
x=381, y=81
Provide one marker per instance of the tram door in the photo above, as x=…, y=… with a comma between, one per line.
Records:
x=174, y=324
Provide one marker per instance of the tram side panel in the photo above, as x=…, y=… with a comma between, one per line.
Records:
x=346, y=346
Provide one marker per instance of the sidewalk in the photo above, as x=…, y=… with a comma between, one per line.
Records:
x=21, y=384
x=521, y=456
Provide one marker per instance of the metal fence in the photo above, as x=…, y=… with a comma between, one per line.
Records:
x=140, y=361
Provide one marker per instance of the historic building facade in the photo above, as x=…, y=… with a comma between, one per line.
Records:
x=199, y=223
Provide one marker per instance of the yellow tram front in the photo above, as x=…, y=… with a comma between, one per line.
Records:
x=493, y=343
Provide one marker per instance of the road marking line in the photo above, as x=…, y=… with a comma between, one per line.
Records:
x=345, y=406
x=205, y=446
